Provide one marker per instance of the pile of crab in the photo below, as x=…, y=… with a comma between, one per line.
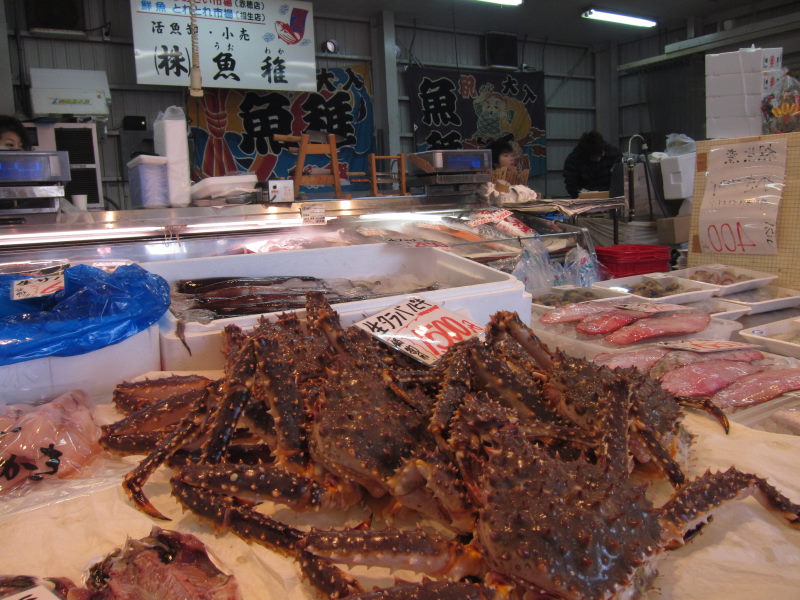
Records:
x=526, y=456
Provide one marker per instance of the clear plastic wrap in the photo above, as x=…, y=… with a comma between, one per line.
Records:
x=94, y=310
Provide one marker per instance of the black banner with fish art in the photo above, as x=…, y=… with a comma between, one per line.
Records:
x=461, y=108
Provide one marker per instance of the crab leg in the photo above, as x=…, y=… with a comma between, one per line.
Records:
x=705, y=404
x=691, y=506
x=133, y=481
x=397, y=549
x=158, y=416
x=229, y=512
x=434, y=590
x=328, y=578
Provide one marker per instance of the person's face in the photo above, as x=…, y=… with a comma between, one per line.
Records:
x=10, y=141
x=506, y=159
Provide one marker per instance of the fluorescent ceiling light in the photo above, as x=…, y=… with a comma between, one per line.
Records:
x=504, y=2
x=600, y=15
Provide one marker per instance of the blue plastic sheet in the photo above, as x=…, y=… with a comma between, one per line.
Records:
x=94, y=310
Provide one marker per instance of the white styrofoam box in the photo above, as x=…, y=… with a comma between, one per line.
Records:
x=755, y=279
x=601, y=295
x=764, y=335
x=696, y=290
x=229, y=185
x=147, y=176
x=466, y=285
x=731, y=127
x=745, y=60
x=739, y=105
x=766, y=298
x=734, y=84
x=96, y=372
x=677, y=173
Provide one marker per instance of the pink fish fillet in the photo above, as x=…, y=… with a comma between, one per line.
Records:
x=611, y=320
x=56, y=439
x=640, y=360
x=757, y=388
x=678, y=358
x=573, y=312
x=706, y=377
x=672, y=324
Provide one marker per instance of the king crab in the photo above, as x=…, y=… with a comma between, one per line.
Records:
x=526, y=456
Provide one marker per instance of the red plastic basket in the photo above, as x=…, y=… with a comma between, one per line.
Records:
x=634, y=259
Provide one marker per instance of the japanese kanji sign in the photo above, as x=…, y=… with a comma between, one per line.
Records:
x=233, y=130
x=248, y=44
x=744, y=186
x=470, y=109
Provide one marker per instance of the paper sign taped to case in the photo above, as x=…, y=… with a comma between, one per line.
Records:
x=744, y=186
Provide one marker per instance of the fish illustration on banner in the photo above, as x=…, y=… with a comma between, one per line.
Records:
x=232, y=130
x=460, y=108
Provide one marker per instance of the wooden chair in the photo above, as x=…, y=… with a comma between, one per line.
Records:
x=306, y=147
x=378, y=177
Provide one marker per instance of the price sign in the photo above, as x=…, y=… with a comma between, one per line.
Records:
x=416, y=243
x=313, y=213
x=707, y=345
x=491, y=217
x=420, y=329
x=35, y=593
x=652, y=308
x=24, y=289
x=744, y=186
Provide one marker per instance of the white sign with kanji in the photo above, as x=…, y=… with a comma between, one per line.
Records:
x=248, y=44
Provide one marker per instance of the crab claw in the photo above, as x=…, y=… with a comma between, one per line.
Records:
x=132, y=484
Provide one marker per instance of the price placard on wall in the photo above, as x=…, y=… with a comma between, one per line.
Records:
x=744, y=185
x=247, y=44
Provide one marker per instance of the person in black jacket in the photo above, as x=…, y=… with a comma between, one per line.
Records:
x=588, y=166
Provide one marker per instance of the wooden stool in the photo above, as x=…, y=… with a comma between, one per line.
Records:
x=378, y=177
x=304, y=149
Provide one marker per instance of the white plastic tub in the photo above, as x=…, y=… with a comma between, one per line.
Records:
x=755, y=279
x=779, y=415
x=696, y=290
x=766, y=298
x=601, y=295
x=764, y=335
x=721, y=309
x=96, y=372
x=466, y=286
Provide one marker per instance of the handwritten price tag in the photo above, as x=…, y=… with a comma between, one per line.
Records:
x=313, y=213
x=419, y=328
x=707, y=345
x=35, y=593
x=24, y=289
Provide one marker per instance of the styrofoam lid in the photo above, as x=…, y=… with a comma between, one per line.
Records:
x=147, y=159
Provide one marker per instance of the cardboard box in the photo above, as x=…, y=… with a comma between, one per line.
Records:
x=673, y=230
x=745, y=60
x=731, y=127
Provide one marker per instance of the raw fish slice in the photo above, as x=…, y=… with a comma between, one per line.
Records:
x=672, y=324
x=641, y=360
x=679, y=358
x=757, y=388
x=56, y=439
x=706, y=377
x=611, y=320
x=573, y=312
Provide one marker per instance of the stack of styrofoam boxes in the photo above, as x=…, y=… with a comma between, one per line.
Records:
x=736, y=84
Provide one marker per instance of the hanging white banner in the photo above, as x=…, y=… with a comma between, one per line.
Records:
x=247, y=44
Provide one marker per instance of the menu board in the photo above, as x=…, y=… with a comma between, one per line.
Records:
x=743, y=190
x=247, y=44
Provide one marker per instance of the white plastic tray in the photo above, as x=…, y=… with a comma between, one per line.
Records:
x=757, y=278
x=466, y=285
x=95, y=372
x=603, y=295
x=762, y=416
x=565, y=337
x=722, y=309
x=763, y=335
x=781, y=298
x=699, y=291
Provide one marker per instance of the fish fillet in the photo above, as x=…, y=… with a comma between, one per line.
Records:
x=679, y=358
x=706, y=377
x=672, y=324
x=641, y=360
x=757, y=388
x=610, y=320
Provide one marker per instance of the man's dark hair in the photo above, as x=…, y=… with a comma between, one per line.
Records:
x=591, y=144
x=11, y=124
